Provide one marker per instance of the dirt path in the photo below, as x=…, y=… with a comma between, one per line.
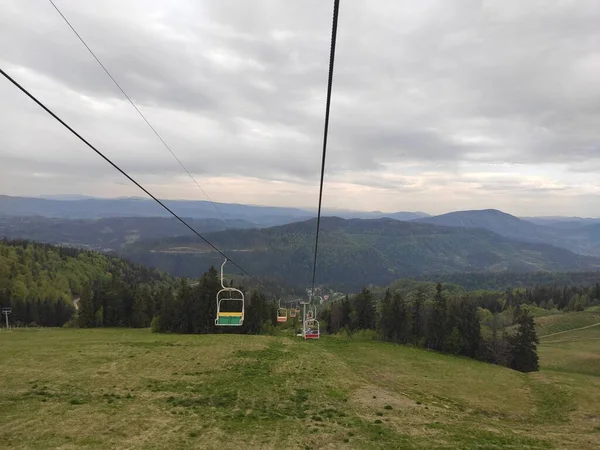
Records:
x=568, y=331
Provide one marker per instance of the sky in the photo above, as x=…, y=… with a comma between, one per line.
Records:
x=437, y=105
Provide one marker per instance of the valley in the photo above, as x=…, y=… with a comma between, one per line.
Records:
x=277, y=242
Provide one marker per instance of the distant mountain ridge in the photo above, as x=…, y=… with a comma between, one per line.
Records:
x=355, y=252
x=107, y=234
x=80, y=207
x=490, y=219
x=580, y=236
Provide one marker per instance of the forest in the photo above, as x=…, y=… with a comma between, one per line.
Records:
x=48, y=285
x=41, y=282
x=447, y=320
x=56, y=286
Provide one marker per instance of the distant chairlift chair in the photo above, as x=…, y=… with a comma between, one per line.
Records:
x=230, y=305
x=281, y=314
x=311, y=329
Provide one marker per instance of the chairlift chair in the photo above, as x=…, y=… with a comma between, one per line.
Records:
x=230, y=305
x=281, y=313
x=311, y=329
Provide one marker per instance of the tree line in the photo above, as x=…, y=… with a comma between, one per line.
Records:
x=179, y=307
x=440, y=322
x=49, y=285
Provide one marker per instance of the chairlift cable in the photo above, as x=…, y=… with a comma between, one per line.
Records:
x=336, y=7
x=140, y=112
x=64, y=124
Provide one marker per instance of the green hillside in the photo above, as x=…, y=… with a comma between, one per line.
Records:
x=40, y=281
x=110, y=388
x=579, y=236
x=105, y=233
x=562, y=323
x=356, y=252
x=574, y=351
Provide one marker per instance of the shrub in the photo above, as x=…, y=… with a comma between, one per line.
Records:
x=155, y=324
x=365, y=335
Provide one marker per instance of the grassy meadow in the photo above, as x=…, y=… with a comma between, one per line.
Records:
x=123, y=388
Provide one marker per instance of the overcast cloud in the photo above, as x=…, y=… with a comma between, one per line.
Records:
x=437, y=105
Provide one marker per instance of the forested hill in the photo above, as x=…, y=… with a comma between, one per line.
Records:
x=581, y=236
x=40, y=281
x=355, y=252
x=490, y=219
x=105, y=234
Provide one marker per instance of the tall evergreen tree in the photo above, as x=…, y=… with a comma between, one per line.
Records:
x=364, y=311
x=469, y=328
x=257, y=314
x=189, y=308
x=523, y=345
x=416, y=316
x=386, y=321
x=206, y=294
x=399, y=317
x=437, y=327
x=86, y=311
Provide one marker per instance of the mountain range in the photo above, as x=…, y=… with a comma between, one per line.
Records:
x=581, y=236
x=79, y=207
x=106, y=234
x=355, y=252
x=279, y=242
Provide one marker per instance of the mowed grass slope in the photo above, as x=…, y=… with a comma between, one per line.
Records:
x=118, y=388
x=558, y=323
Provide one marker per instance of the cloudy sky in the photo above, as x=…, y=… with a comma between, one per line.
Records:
x=437, y=105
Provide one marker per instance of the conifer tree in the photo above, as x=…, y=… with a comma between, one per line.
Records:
x=257, y=313
x=399, y=317
x=469, y=328
x=437, y=326
x=86, y=312
x=523, y=345
x=385, y=317
x=364, y=311
x=206, y=294
x=416, y=319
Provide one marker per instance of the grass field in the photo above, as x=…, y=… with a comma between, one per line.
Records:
x=565, y=322
x=119, y=388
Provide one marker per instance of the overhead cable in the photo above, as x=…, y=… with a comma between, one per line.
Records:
x=64, y=124
x=140, y=112
x=336, y=7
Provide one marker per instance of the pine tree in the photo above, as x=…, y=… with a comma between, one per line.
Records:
x=469, y=328
x=523, y=345
x=437, y=327
x=416, y=320
x=399, y=317
x=257, y=313
x=166, y=318
x=385, y=317
x=86, y=311
x=189, y=313
x=206, y=294
x=140, y=316
x=364, y=311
